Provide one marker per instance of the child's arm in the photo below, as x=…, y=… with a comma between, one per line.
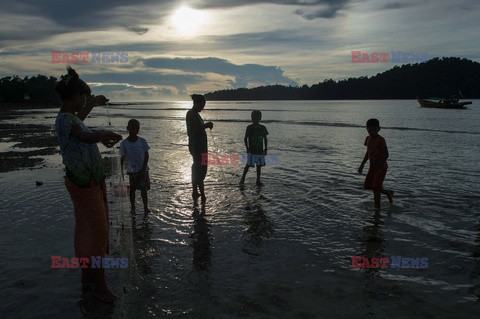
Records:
x=365, y=159
x=96, y=101
x=266, y=145
x=106, y=137
x=145, y=162
x=246, y=143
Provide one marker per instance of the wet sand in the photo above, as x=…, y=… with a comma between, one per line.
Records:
x=23, y=137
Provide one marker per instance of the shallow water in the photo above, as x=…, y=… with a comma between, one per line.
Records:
x=280, y=251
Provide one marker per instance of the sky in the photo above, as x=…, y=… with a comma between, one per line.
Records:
x=172, y=49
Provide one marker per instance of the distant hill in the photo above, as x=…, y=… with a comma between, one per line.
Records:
x=437, y=77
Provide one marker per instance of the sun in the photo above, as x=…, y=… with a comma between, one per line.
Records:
x=188, y=21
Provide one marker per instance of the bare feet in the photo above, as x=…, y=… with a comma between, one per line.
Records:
x=105, y=295
x=259, y=183
x=390, y=197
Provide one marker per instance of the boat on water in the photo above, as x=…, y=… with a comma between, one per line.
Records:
x=441, y=103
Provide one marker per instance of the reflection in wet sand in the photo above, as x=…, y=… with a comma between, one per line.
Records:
x=372, y=243
x=201, y=239
x=255, y=218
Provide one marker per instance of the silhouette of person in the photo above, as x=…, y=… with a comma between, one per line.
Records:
x=197, y=144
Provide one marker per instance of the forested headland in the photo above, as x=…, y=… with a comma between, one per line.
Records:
x=438, y=77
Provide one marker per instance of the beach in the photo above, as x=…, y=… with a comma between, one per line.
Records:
x=283, y=250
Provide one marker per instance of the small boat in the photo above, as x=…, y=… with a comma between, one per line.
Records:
x=452, y=103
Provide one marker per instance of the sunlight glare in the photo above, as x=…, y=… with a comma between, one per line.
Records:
x=188, y=21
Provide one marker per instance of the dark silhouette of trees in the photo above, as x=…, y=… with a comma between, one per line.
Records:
x=37, y=89
x=440, y=77
x=12, y=89
x=41, y=88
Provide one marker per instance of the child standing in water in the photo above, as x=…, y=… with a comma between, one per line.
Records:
x=377, y=154
x=135, y=149
x=255, y=136
x=197, y=145
x=85, y=177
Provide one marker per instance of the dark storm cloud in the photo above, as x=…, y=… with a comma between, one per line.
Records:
x=243, y=74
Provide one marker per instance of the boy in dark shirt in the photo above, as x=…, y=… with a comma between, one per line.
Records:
x=255, y=135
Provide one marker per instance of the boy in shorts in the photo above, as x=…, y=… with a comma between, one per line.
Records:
x=255, y=135
x=135, y=149
x=377, y=154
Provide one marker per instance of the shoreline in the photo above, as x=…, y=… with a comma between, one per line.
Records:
x=27, y=105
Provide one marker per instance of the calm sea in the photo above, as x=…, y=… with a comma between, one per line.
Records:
x=280, y=251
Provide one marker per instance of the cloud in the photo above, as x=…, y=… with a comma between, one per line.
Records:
x=330, y=10
x=237, y=3
x=329, y=7
x=396, y=5
x=69, y=16
x=145, y=78
x=137, y=30
x=243, y=74
x=59, y=16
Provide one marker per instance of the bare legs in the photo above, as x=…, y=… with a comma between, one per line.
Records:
x=259, y=171
x=132, y=200
x=95, y=278
x=199, y=172
x=376, y=196
x=245, y=171
x=144, y=195
x=389, y=194
x=201, y=188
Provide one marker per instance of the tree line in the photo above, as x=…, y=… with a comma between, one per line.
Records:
x=438, y=77
x=35, y=89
